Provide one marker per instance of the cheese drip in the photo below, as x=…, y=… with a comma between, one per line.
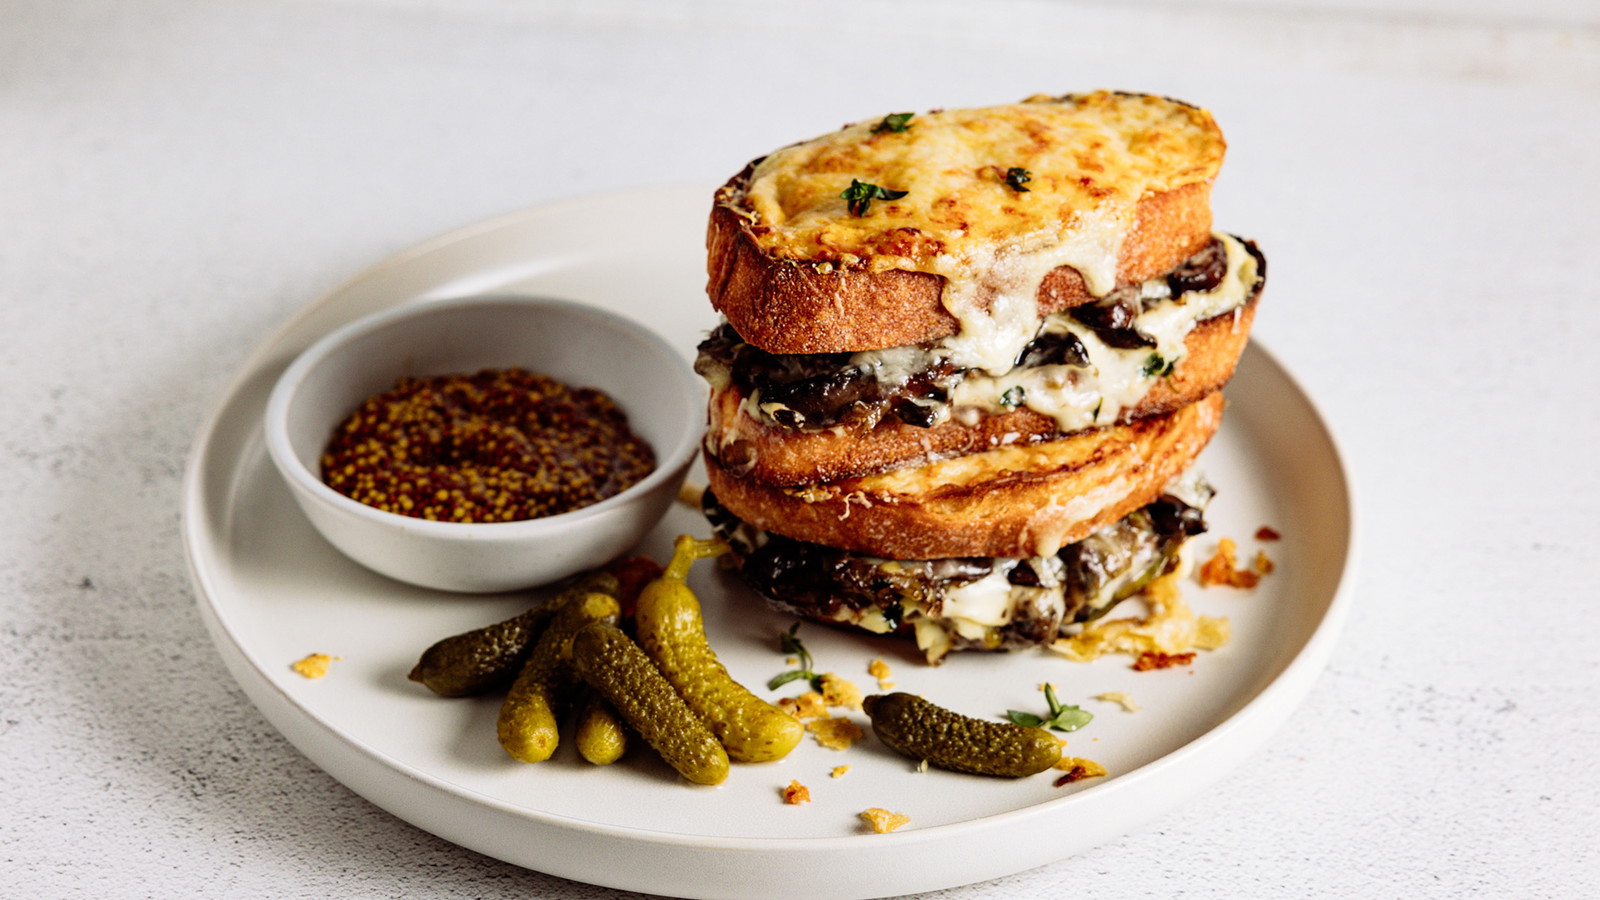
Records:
x=1115, y=378
x=1076, y=397
x=994, y=293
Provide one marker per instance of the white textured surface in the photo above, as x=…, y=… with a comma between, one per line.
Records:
x=177, y=177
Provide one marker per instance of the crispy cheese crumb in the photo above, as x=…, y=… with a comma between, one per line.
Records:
x=1170, y=627
x=1267, y=533
x=880, y=670
x=1150, y=661
x=1077, y=769
x=838, y=771
x=796, y=794
x=837, y=691
x=883, y=821
x=1165, y=588
x=1263, y=563
x=1120, y=698
x=806, y=706
x=835, y=732
x=315, y=665
x=691, y=494
x=1222, y=568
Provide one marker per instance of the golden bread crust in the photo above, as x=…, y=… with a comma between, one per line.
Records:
x=1011, y=501
x=783, y=306
x=770, y=454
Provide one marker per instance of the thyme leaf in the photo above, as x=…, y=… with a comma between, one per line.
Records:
x=1061, y=718
x=899, y=123
x=860, y=194
x=1157, y=367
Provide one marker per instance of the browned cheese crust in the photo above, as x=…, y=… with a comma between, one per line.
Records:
x=786, y=457
x=795, y=272
x=1010, y=501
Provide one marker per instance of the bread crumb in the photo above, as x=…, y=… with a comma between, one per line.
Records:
x=315, y=665
x=796, y=794
x=1151, y=660
x=883, y=821
x=1221, y=569
x=835, y=732
x=880, y=670
x=837, y=691
x=1118, y=697
x=838, y=771
x=1077, y=769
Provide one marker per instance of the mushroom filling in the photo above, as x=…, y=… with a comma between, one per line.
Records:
x=1095, y=358
x=988, y=603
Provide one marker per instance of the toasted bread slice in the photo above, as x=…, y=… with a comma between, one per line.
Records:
x=1009, y=501
x=1053, y=201
x=764, y=452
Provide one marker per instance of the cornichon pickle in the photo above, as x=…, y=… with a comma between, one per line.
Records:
x=921, y=730
x=672, y=631
x=615, y=666
x=543, y=689
x=488, y=658
x=601, y=737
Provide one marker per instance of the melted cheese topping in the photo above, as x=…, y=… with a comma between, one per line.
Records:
x=985, y=465
x=1089, y=159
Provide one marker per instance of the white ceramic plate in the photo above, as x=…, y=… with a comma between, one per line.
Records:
x=271, y=591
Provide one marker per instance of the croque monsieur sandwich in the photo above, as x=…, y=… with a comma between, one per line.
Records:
x=966, y=361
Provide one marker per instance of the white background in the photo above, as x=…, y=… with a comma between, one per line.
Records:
x=179, y=176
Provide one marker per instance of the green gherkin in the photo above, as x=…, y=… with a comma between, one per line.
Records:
x=614, y=666
x=488, y=658
x=527, y=726
x=601, y=736
x=671, y=630
x=914, y=727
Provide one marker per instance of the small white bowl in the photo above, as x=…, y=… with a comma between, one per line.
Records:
x=576, y=344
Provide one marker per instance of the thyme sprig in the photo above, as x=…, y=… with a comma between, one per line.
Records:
x=789, y=642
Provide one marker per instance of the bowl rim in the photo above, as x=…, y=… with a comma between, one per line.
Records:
x=670, y=462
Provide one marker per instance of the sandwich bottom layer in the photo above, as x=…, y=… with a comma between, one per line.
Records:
x=969, y=603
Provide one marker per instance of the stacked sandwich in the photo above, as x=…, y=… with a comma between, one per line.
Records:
x=966, y=362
